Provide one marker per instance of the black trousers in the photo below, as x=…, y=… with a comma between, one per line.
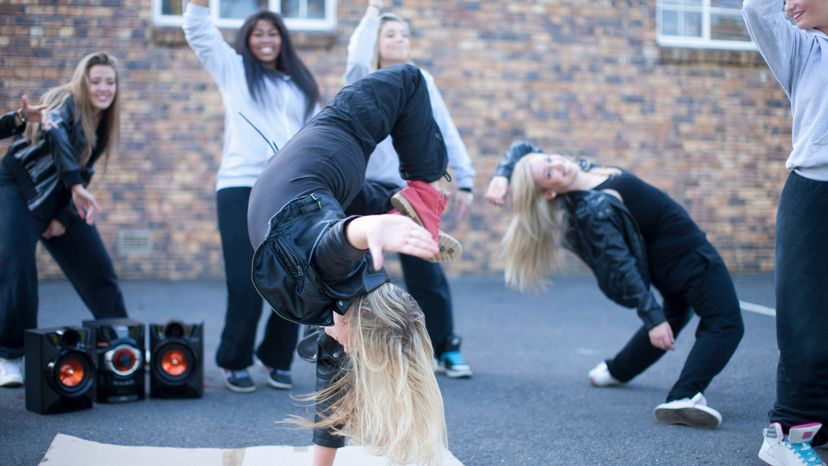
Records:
x=79, y=252
x=244, y=305
x=802, y=305
x=698, y=281
x=425, y=281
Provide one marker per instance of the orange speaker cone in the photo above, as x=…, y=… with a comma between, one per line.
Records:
x=71, y=373
x=174, y=362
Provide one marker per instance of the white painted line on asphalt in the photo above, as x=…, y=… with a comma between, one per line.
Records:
x=757, y=308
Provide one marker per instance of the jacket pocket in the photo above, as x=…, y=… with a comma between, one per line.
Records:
x=288, y=258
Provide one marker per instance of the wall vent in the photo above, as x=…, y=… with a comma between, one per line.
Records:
x=135, y=242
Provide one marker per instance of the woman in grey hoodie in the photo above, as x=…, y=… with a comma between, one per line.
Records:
x=792, y=39
x=381, y=40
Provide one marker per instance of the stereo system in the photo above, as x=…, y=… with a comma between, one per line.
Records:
x=67, y=368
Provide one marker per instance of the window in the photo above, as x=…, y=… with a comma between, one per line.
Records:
x=299, y=15
x=711, y=24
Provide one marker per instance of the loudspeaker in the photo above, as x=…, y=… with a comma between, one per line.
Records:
x=60, y=370
x=176, y=361
x=120, y=348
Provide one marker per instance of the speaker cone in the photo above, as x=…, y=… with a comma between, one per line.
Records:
x=175, y=362
x=71, y=373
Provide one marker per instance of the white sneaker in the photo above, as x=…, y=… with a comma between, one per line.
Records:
x=793, y=449
x=692, y=412
x=600, y=377
x=11, y=372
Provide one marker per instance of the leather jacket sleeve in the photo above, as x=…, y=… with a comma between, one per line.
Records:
x=328, y=364
x=62, y=149
x=345, y=270
x=516, y=151
x=9, y=126
x=598, y=236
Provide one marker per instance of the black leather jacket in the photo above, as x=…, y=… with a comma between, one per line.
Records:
x=46, y=169
x=601, y=232
x=305, y=268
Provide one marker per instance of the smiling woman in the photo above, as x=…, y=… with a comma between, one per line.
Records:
x=49, y=162
x=267, y=91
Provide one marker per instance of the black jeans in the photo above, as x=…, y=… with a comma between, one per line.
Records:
x=698, y=281
x=802, y=305
x=425, y=281
x=79, y=252
x=244, y=305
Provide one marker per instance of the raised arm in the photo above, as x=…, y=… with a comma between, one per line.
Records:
x=499, y=185
x=362, y=47
x=782, y=44
x=214, y=53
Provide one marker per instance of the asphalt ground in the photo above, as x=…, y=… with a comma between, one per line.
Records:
x=529, y=402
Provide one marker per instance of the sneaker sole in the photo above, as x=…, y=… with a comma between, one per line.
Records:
x=604, y=385
x=271, y=382
x=450, y=247
x=278, y=385
x=237, y=389
x=452, y=374
x=693, y=417
x=458, y=374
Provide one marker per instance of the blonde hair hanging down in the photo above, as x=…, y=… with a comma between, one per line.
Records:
x=532, y=240
x=388, y=398
x=86, y=113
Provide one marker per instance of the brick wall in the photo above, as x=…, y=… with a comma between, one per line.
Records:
x=710, y=128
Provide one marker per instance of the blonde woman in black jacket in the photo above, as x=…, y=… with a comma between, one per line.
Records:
x=43, y=196
x=632, y=235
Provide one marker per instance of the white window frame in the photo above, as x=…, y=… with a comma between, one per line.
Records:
x=326, y=24
x=703, y=42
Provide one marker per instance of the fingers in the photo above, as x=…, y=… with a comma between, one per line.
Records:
x=24, y=101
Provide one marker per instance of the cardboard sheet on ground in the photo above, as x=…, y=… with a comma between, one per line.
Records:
x=66, y=450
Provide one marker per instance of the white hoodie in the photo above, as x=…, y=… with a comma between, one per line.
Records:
x=245, y=151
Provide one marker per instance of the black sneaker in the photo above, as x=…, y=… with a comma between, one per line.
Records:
x=238, y=381
x=278, y=378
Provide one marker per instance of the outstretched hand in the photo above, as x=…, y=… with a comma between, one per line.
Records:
x=375, y=5
x=661, y=336
x=34, y=113
x=391, y=232
x=85, y=203
x=498, y=187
